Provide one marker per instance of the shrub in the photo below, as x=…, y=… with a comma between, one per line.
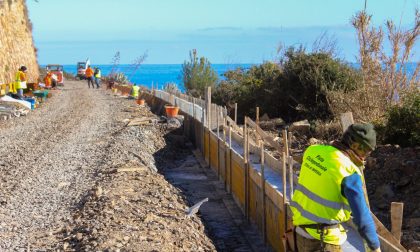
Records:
x=250, y=88
x=171, y=88
x=308, y=77
x=403, y=121
x=295, y=89
x=197, y=74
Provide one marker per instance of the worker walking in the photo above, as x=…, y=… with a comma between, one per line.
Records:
x=20, y=80
x=330, y=190
x=97, y=74
x=89, y=76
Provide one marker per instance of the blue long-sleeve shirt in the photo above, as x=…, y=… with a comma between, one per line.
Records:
x=352, y=189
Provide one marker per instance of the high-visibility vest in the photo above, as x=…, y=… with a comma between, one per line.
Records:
x=317, y=197
x=89, y=72
x=98, y=74
x=135, y=91
x=20, y=80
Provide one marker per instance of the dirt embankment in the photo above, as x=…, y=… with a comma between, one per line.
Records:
x=393, y=175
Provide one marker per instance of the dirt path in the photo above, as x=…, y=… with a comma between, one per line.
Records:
x=59, y=189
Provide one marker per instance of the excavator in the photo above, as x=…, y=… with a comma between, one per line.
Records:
x=81, y=69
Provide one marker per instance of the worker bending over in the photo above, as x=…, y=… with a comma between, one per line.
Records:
x=330, y=190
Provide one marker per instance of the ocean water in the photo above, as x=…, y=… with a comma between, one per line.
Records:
x=158, y=74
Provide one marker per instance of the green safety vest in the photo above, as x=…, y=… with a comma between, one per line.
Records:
x=98, y=74
x=135, y=91
x=317, y=197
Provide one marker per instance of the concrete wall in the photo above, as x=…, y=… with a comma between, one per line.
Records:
x=16, y=43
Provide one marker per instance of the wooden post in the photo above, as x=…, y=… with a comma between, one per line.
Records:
x=263, y=192
x=230, y=158
x=193, y=100
x=245, y=137
x=290, y=162
x=208, y=106
x=203, y=119
x=285, y=143
x=285, y=203
x=226, y=151
x=257, y=116
x=396, y=219
x=284, y=179
x=217, y=121
x=236, y=113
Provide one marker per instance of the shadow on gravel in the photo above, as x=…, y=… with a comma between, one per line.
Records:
x=180, y=168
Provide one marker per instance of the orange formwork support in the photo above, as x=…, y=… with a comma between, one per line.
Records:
x=274, y=225
x=214, y=146
x=206, y=146
x=238, y=179
x=255, y=199
x=222, y=163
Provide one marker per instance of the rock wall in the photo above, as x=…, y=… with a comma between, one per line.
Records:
x=16, y=43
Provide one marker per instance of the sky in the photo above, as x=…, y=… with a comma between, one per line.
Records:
x=224, y=31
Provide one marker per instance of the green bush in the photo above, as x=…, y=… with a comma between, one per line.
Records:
x=308, y=77
x=403, y=121
x=295, y=89
x=250, y=88
x=197, y=74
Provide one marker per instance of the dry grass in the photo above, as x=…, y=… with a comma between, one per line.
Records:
x=385, y=74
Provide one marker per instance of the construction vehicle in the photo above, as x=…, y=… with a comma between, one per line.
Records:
x=81, y=69
x=58, y=71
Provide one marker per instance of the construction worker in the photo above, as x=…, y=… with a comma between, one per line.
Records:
x=89, y=76
x=97, y=74
x=48, y=80
x=135, y=91
x=20, y=80
x=330, y=190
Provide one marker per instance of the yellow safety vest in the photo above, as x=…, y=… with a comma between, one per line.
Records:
x=317, y=197
x=98, y=75
x=135, y=91
x=18, y=81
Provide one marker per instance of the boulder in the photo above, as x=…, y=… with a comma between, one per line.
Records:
x=300, y=126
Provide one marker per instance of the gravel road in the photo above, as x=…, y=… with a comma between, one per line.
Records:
x=59, y=190
x=47, y=163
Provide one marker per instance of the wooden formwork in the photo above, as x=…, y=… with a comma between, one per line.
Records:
x=262, y=200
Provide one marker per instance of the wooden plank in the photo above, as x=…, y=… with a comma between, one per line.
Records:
x=264, y=136
x=132, y=169
x=236, y=113
x=383, y=231
x=396, y=219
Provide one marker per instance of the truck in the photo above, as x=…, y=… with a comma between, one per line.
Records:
x=56, y=70
x=81, y=69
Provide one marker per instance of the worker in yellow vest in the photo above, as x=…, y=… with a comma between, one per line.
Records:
x=97, y=75
x=20, y=80
x=330, y=190
x=135, y=91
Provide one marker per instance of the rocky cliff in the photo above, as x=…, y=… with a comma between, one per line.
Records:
x=16, y=43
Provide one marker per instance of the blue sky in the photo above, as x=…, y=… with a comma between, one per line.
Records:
x=225, y=31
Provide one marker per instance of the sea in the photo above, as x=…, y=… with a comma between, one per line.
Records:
x=157, y=74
